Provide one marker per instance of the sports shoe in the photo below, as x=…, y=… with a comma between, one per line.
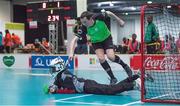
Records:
x=133, y=78
x=128, y=70
x=113, y=81
x=137, y=84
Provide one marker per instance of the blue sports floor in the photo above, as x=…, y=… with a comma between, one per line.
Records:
x=25, y=87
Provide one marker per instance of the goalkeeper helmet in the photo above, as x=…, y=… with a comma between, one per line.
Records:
x=57, y=65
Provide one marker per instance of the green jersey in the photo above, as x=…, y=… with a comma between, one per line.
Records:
x=98, y=32
x=151, y=34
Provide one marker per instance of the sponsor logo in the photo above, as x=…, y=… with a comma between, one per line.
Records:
x=40, y=62
x=162, y=63
x=44, y=61
x=8, y=60
x=92, y=60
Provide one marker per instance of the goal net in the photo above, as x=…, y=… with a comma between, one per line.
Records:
x=162, y=61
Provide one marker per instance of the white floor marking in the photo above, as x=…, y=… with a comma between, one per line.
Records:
x=72, y=98
x=168, y=94
x=32, y=74
x=87, y=103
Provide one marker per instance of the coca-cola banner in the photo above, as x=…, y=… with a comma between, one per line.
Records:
x=156, y=62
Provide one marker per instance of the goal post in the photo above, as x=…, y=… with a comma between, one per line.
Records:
x=164, y=64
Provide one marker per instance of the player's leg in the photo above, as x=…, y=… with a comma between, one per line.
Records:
x=130, y=83
x=127, y=84
x=111, y=56
x=101, y=56
x=108, y=44
x=93, y=87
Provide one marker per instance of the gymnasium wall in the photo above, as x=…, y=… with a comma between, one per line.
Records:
x=5, y=14
x=132, y=25
x=5, y=11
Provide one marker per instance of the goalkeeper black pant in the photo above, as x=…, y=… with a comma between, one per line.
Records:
x=92, y=87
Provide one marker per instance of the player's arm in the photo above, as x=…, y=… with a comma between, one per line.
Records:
x=60, y=89
x=112, y=15
x=72, y=46
x=53, y=89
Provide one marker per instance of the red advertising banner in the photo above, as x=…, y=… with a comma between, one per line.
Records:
x=156, y=62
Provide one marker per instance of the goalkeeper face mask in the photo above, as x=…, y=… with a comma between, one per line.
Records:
x=57, y=65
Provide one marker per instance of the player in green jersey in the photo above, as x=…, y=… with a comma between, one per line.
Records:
x=101, y=40
x=151, y=36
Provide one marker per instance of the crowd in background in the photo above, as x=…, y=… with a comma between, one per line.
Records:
x=169, y=45
x=128, y=46
x=38, y=47
x=166, y=45
x=11, y=43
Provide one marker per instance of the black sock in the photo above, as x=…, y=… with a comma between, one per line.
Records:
x=119, y=61
x=107, y=68
x=124, y=65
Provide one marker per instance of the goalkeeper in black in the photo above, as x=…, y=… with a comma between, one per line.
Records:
x=65, y=82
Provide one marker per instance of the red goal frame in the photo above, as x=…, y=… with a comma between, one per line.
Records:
x=142, y=23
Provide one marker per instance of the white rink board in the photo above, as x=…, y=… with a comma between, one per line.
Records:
x=18, y=61
x=91, y=62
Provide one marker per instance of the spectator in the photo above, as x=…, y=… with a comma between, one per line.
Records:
x=127, y=42
x=133, y=45
x=16, y=41
x=124, y=46
x=151, y=36
x=173, y=45
x=1, y=43
x=160, y=47
x=178, y=43
x=45, y=44
x=7, y=41
x=36, y=46
x=28, y=48
x=166, y=44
